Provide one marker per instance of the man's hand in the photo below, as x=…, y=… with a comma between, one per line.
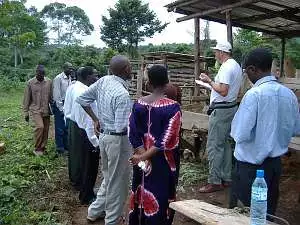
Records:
x=97, y=128
x=205, y=78
x=27, y=118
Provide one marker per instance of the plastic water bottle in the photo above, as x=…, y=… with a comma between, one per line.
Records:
x=259, y=195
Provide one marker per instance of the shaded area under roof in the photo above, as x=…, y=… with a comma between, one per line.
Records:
x=276, y=17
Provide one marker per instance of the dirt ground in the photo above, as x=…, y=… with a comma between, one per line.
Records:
x=288, y=208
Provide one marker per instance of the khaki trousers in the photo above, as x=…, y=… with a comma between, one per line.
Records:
x=218, y=145
x=41, y=129
x=112, y=195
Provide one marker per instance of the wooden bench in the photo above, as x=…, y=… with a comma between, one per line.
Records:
x=208, y=214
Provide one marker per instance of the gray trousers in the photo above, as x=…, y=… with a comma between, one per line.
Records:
x=218, y=145
x=112, y=194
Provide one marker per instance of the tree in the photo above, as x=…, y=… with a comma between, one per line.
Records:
x=66, y=22
x=19, y=28
x=129, y=23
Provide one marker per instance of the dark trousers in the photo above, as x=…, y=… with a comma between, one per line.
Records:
x=244, y=175
x=61, y=130
x=89, y=164
x=75, y=143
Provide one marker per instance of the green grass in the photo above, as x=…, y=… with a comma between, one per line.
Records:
x=24, y=183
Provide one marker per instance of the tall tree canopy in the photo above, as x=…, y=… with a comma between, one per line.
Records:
x=21, y=28
x=129, y=23
x=66, y=22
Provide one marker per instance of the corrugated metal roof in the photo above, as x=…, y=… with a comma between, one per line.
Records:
x=278, y=17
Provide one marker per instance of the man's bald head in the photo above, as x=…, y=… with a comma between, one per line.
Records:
x=120, y=66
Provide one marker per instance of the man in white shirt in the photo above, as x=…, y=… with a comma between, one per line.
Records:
x=223, y=105
x=83, y=151
x=262, y=128
x=60, y=84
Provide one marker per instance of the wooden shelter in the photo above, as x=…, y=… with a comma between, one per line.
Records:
x=276, y=17
x=180, y=70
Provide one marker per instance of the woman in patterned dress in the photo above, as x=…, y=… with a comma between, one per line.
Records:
x=154, y=126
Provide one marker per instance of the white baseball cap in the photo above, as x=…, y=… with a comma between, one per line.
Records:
x=223, y=46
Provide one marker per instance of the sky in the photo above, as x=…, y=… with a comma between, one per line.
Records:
x=174, y=33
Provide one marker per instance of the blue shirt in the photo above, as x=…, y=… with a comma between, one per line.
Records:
x=113, y=102
x=265, y=122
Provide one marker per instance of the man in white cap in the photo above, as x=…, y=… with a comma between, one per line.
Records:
x=223, y=105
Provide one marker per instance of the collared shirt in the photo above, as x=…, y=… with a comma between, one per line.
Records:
x=230, y=73
x=37, y=96
x=60, y=84
x=76, y=113
x=266, y=120
x=113, y=102
x=69, y=100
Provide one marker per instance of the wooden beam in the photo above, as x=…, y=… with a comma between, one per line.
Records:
x=282, y=57
x=221, y=8
x=229, y=27
x=276, y=4
x=197, y=51
x=288, y=14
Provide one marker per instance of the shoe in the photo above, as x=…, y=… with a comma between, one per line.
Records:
x=91, y=219
x=209, y=188
x=38, y=152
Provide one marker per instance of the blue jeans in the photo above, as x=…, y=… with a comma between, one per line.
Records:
x=61, y=131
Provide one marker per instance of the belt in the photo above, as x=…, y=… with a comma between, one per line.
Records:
x=113, y=132
x=221, y=105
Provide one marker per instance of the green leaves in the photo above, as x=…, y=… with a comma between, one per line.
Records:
x=66, y=22
x=129, y=23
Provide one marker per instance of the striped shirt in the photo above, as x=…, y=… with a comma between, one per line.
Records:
x=113, y=102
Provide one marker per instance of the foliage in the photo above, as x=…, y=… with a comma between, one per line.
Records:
x=177, y=48
x=66, y=22
x=192, y=173
x=21, y=29
x=247, y=40
x=23, y=179
x=293, y=51
x=129, y=22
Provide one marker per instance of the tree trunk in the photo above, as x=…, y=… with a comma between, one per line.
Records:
x=21, y=56
x=16, y=56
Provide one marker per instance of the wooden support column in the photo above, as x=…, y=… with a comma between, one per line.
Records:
x=229, y=27
x=197, y=52
x=139, y=80
x=282, y=57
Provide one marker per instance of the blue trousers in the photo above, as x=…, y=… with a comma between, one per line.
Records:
x=61, y=131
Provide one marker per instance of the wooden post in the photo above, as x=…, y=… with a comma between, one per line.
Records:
x=282, y=57
x=229, y=27
x=197, y=51
x=139, y=80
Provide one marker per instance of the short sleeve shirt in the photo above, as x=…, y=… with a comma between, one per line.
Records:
x=229, y=73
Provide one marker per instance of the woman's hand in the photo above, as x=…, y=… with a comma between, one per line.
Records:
x=135, y=159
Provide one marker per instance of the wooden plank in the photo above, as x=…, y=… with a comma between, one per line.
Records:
x=208, y=214
x=295, y=143
x=197, y=120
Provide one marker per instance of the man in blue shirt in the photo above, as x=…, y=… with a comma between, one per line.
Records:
x=262, y=128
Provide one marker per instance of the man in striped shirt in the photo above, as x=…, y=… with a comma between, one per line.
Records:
x=114, y=106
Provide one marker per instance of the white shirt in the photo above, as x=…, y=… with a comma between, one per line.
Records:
x=229, y=73
x=77, y=114
x=69, y=100
x=60, y=85
x=267, y=118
